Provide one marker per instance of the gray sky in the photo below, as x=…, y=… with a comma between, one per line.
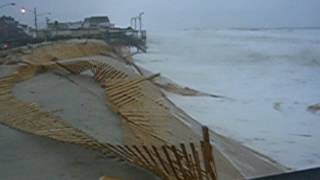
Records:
x=179, y=14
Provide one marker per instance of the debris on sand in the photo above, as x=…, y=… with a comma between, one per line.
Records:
x=184, y=91
x=277, y=106
x=171, y=86
x=314, y=108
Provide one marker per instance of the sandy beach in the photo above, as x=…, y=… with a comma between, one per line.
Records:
x=80, y=101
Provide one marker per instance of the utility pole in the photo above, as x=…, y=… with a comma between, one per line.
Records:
x=47, y=22
x=35, y=21
x=140, y=21
x=47, y=31
x=135, y=23
x=36, y=15
x=131, y=22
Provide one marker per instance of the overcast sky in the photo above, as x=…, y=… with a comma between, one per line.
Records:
x=179, y=14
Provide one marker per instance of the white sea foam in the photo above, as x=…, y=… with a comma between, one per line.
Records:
x=273, y=75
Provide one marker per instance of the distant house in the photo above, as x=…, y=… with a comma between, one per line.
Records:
x=8, y=20
x=65, y=25
x=97, y=22
x=27, y=29
x=100, y=22
x=90, y=27
x=10, y=29
x=75, y=25
x=12, y=33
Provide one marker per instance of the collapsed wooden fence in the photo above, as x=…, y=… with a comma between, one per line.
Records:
x=191, y=161
x=183, y=162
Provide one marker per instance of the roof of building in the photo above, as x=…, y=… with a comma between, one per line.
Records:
x=97, y=19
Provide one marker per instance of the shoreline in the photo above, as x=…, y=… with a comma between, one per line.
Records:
x=225, y=149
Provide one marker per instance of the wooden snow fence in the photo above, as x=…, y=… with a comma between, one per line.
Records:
x=190, y=161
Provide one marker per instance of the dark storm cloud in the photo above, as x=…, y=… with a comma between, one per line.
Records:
x=167, y=14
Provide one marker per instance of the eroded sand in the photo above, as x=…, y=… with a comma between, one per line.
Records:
x=80, y=101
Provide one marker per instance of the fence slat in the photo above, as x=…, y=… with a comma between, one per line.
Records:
x=128, y=154
x=136, y=156
x=160, y=159
x=115, y=151
x=188, y=162
x=145, y=148
x=142, y=155
x=206, y=159
x=164, y=148
x=196, y=160
x=212, y=162
x=178, y=159
x=207, y=153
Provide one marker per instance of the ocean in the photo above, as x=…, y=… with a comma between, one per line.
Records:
x=270, y=76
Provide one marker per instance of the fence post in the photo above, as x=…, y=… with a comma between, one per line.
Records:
x=207, y=154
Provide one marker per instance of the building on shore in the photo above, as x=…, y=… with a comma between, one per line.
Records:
x=64, y=25
x=97, y=22
x=12, y=33
x=96, y=27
